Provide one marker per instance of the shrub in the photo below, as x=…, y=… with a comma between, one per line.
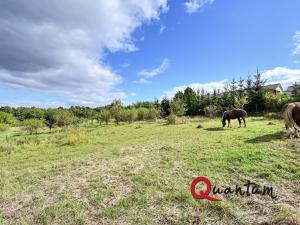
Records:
x=130, y=115
x=51, y=118
x=116, y=110
x=171, y=119
x=178, y=107
x=211, y=111
x=4, y=127
x=6, y=118
x=276, y=102
x=141, y=113
x=240, y=102
x=66, y=118
x=32, y=125
x=152, y=113
x=103, y=116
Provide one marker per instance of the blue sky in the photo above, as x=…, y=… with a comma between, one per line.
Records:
x=165, y=47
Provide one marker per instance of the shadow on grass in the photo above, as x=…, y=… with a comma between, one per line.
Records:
x=267, y=138
x=214, y=129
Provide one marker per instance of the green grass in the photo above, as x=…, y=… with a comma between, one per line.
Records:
x=140, y=173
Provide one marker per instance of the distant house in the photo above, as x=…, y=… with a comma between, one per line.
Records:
x=289, y=90
x=274, y=88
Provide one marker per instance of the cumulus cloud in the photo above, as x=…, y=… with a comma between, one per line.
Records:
x=296, y=39
x=59, y=46
x=283, y=75
x=154, y=72
x=192, y=6
x=208, y=87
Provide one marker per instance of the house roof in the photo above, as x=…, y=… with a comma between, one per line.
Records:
x=274, y=86
x=290, y=89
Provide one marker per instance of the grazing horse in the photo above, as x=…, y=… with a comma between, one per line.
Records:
x=291, y=115
x=234, y=114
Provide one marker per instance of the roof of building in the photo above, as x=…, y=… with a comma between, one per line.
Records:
x=290, y=89
x=273, y=86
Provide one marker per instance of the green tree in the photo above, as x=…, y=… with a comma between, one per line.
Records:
x=296, y=92
x=104, y=116
x=116, y=109
x=275, y=103
x=66, y=118
x=165, y=107
x=178, y=107
x=130, y=115
x=6, y=118
x=256, y=95
x=32, y=125
x=240, y=101
x=141, y=113
x=51, y=118
x=191, y=102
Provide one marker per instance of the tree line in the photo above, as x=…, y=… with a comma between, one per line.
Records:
x=249, y=94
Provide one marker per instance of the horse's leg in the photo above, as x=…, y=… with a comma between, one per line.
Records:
x=228, y=123
x=244, y=120
x=239, y=121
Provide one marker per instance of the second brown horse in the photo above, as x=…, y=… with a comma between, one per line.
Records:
x=234, y=114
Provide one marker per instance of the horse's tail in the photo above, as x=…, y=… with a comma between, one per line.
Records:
x=288, y=117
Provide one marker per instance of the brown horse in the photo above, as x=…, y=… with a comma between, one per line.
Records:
x=291, y=115
x=234, y=114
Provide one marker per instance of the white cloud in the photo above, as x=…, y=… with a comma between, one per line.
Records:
x=142, y=81
x=162, y=29
x=125, y=65
x=282, y=75
x=296, y=39
x=154, y=72
x=192, y=6
x=59, y=46
x=208, y=87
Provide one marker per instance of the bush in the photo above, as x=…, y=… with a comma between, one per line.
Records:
x=4, y=127
x=103, y=116
x=211, y=111
x=178, y=107
x=51, y=118
x=152, y=113
x=6, y=118
x=171, y=119
x=66, y=118
x=240, y=102
x=141, y=113
x=116, y=110
x=276, y=102
x=32, y=125
x=130, y=115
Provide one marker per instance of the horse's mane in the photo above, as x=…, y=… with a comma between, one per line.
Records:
x=288, y=117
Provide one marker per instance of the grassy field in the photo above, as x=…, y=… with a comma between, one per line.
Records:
x=140, y=173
